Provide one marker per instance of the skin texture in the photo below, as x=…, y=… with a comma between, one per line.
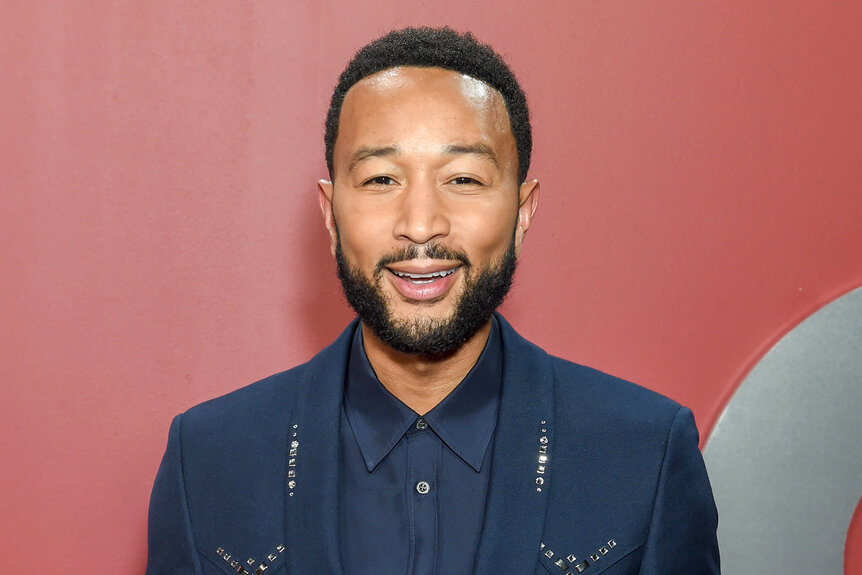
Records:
x=424, y=156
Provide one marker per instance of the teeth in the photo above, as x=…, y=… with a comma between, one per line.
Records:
x=424, y=277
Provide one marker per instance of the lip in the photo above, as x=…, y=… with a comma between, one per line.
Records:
x=423, y=282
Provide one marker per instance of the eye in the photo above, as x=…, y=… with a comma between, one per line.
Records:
x=465, y=181
x=379, y=181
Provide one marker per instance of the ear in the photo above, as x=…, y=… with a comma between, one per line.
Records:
x=528, y=201
x=324, y=197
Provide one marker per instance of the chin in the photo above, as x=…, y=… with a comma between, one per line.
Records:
x=422, y=316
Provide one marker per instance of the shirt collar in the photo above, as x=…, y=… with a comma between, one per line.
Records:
x=464, y=420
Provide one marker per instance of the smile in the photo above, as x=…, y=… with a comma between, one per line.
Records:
x=425, y=282
x=424, y=278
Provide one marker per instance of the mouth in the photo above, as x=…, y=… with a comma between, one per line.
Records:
x=423, y=282
x=425, y=278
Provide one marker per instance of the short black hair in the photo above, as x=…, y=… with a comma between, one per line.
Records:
x=436, y=48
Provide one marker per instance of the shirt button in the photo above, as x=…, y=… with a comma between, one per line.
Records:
x=422, y=487
x=421, y=424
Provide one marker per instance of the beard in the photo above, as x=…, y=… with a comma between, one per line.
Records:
x=483, y=292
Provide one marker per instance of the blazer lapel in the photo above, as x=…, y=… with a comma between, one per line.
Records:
x=518, y=489
x=312, y=466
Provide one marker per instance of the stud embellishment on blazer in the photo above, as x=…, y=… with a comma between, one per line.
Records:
x=570, y=565
x=240, y=568
x=563, y=564
x=292, y=456
x=542, y=459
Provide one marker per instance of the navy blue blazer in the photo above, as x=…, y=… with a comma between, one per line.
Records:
x=590, y=474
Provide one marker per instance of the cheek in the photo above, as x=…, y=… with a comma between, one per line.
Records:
x=487, y=233
x=362, y=233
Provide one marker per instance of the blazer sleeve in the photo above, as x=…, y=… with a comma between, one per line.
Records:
x=682, y=537
x=171, y=547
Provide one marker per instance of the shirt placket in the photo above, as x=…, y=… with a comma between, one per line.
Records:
x=423, y=456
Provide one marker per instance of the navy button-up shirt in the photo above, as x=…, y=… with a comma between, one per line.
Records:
x=413, y=488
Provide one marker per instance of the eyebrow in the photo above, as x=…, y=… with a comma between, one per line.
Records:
x=477, y=149
x=365, y=153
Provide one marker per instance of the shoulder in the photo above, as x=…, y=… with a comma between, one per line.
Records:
x=267, y=404
x=266, y=396
x=606, y=396
x=608, y=419
x=239, y=429
x=584, y=394
x=598, y=415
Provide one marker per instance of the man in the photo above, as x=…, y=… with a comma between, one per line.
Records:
x=430, y=437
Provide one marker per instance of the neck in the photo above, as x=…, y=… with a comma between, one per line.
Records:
x=422, y=382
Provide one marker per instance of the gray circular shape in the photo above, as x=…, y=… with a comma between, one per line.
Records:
x=785, y=457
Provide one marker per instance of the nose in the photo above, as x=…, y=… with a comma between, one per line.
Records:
x=422, y=213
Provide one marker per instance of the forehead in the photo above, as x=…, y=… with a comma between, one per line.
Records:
x=428, y=80
x=404, y=102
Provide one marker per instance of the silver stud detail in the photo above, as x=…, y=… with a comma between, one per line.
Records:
x=612, y=543
x=272, y=557
x=542, y=459
x=220, y=551
x=226, y=557
x=280, y=548
x=561, y=564
x=292, y=459
x=234, y=563
x=261, y=569
x=571, y=558
x=250, y=561
x=603, y=550
x=549, y=553
x=541, y=546
x=582, y=566
x=594, y=557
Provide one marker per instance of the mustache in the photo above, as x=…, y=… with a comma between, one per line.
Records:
x=414, y=252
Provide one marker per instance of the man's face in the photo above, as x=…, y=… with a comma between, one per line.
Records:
x=425, y=212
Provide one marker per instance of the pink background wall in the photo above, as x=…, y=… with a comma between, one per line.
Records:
x=160, y=241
